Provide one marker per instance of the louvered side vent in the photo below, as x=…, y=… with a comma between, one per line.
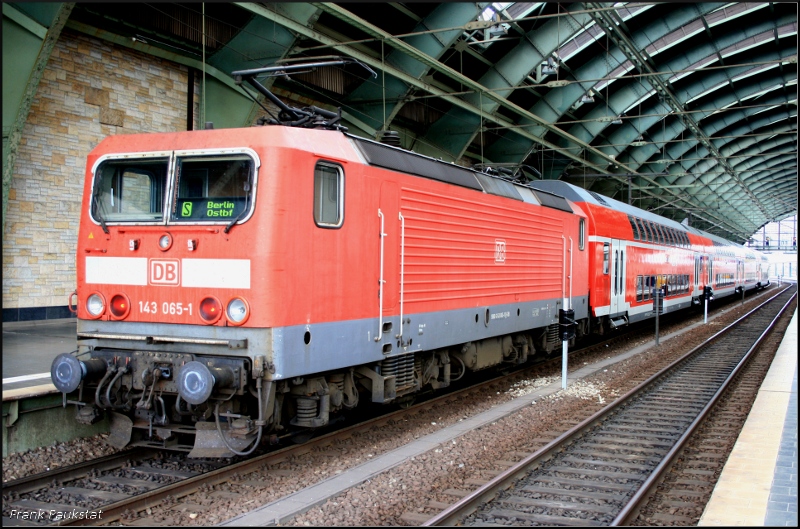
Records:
x=495, y=186
x=552, y=201
x=411, y=163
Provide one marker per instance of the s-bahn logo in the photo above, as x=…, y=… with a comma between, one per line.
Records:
x=499, y=251
x=164, y=272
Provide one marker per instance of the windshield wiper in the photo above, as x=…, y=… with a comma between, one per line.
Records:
x=244, y=209
x=96, y=209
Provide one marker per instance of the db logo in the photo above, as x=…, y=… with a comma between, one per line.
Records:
x=165, y=272
x=499, y=251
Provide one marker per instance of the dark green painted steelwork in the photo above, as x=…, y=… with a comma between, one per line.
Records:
x=484, y=120
x=42, y=421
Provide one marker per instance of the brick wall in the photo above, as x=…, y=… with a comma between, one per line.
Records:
x=90, y=89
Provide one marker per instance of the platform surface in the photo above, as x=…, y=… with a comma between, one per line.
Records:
x=30, y=347
x=758, y=485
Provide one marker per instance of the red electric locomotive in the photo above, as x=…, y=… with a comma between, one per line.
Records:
x=239, y=283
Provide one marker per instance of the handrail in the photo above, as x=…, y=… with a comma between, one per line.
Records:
x=402, y=269
x=381, y=281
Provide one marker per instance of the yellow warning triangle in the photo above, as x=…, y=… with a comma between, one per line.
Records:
x=91, y=235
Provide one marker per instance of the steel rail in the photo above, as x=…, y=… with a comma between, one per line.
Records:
x=454, y=514
x=150, y=499
x=631, y=510
x=76, y=471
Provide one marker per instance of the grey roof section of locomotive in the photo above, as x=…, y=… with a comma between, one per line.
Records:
x=550, y=193
x=398, y=159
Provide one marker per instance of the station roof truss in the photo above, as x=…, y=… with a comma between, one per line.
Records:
x=688, y=110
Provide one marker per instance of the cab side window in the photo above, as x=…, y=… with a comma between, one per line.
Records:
x=328, y=195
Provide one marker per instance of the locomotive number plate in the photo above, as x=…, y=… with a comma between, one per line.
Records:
x=172, y=308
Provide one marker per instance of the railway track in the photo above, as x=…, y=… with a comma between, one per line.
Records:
x=138, y=479
x=127, y=483
x=602, y=471
x=684, y=492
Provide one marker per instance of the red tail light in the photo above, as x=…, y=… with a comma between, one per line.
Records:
x=210, y=309
x=120, y=306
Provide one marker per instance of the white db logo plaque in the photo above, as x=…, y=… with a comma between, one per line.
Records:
x=165, y=272
x=499, y=251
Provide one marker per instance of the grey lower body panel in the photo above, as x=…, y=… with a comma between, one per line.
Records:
x=300, y=350
x=641, y=316
x=303, y=349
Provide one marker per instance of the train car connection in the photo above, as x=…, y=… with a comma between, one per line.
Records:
x=243, y=283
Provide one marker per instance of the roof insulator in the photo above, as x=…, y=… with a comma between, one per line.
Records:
x=389, y=137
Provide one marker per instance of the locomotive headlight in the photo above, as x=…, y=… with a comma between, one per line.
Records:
x=96, y=305
x=165, y=242
x=120, y=306
x=210, y=309
x=238, y=311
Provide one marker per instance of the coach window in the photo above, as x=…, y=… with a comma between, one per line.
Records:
x=634, y=227
x=697, y=259
x=328, y=195
x=605, y=257
x=710, y=268
x=659, y=233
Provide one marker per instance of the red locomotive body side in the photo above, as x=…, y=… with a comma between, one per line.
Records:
x=300, y=273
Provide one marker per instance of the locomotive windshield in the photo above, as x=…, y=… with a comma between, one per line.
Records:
x=208, y=188
x=212, y=188
x=130, y=190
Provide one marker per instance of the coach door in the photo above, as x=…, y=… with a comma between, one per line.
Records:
x=617, y=277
